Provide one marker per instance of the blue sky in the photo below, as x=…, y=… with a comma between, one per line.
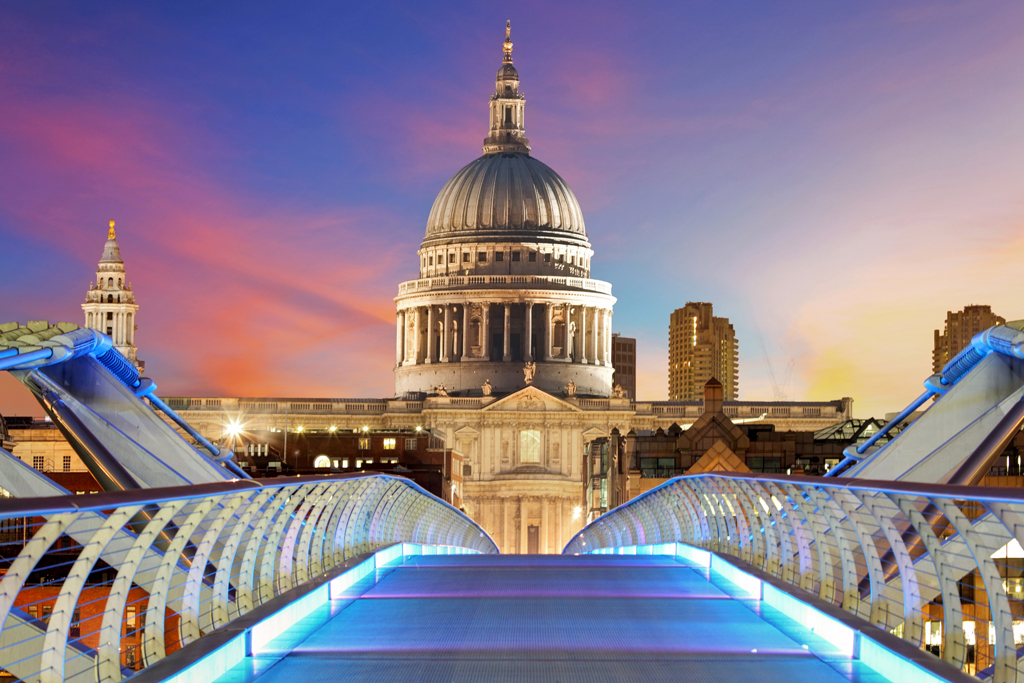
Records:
x=834, y=177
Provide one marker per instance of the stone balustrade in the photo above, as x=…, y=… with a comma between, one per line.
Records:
x=511, y=281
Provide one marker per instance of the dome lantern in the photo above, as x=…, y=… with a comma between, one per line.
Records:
x=507, y=135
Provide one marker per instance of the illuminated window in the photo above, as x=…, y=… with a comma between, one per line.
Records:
x=322, y=462
x=359, y=463
x=364, y=445
x=529, y=446
x=344, y=464
x=389, y=444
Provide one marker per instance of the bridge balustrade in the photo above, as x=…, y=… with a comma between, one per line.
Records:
x=940, y=566
x=97, y=587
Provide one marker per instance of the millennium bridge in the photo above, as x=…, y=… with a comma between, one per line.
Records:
x=898, y=568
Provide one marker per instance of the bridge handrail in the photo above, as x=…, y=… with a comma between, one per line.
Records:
x=93, y=588
x=930, y=562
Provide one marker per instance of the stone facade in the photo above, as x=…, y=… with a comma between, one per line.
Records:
x=521, y=452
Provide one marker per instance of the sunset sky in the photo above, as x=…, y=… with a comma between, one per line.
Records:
x=833, y=176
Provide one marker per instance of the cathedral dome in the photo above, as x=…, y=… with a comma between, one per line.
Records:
x=506, y=196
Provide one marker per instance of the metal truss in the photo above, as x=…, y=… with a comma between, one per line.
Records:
x=941, y=566
x=96, y=587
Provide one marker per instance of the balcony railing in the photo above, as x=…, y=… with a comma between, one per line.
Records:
x=938, y=565
x=94, y=586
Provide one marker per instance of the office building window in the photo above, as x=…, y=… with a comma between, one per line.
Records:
x=410, y=444
x=364, y=444
x=389, y=444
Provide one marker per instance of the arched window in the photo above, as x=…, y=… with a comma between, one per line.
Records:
x=110, y=282
x=322, y=462
x=110, y=298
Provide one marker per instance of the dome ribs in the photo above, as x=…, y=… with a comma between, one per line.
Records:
x=511, y=193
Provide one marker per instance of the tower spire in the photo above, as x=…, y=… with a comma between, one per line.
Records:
x=507, y=135
x=110, y=305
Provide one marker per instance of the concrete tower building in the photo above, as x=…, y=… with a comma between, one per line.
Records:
x=959, y=329
x=701, y=346
x=504, y=276
x=110, y=305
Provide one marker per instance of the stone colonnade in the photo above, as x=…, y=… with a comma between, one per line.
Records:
x=453, y=332
x=122, y=325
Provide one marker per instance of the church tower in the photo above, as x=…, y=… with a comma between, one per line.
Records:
x=110, y=305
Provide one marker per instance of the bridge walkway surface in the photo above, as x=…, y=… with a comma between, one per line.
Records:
x=542, y=618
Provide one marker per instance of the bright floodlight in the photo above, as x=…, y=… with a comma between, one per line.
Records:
x=233, y=428
x=577, y=512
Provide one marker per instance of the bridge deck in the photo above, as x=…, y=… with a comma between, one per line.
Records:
x=548, y=618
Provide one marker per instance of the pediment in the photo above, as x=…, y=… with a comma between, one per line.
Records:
x=467, y=432
x=532, y=399
x=593, y=432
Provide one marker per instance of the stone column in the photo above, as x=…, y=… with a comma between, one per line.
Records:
x=542, y=541
x=523, y=533
x=417, y=330
x=446, y=336
x=429, y=354
x=595, y=335
x=507, y=355
x=570, y=338
x=583, y=335
x=528, y=355
x=547, y=332
x=399, y=338
x=486, y=332
x=607, y=337
x=560, y=520
x=506, y=527
x=465, y=330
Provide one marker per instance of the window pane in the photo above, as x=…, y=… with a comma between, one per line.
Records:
x=529, y=446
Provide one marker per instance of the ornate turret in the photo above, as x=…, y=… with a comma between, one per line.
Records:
x=507, y=107
x=110, y=305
